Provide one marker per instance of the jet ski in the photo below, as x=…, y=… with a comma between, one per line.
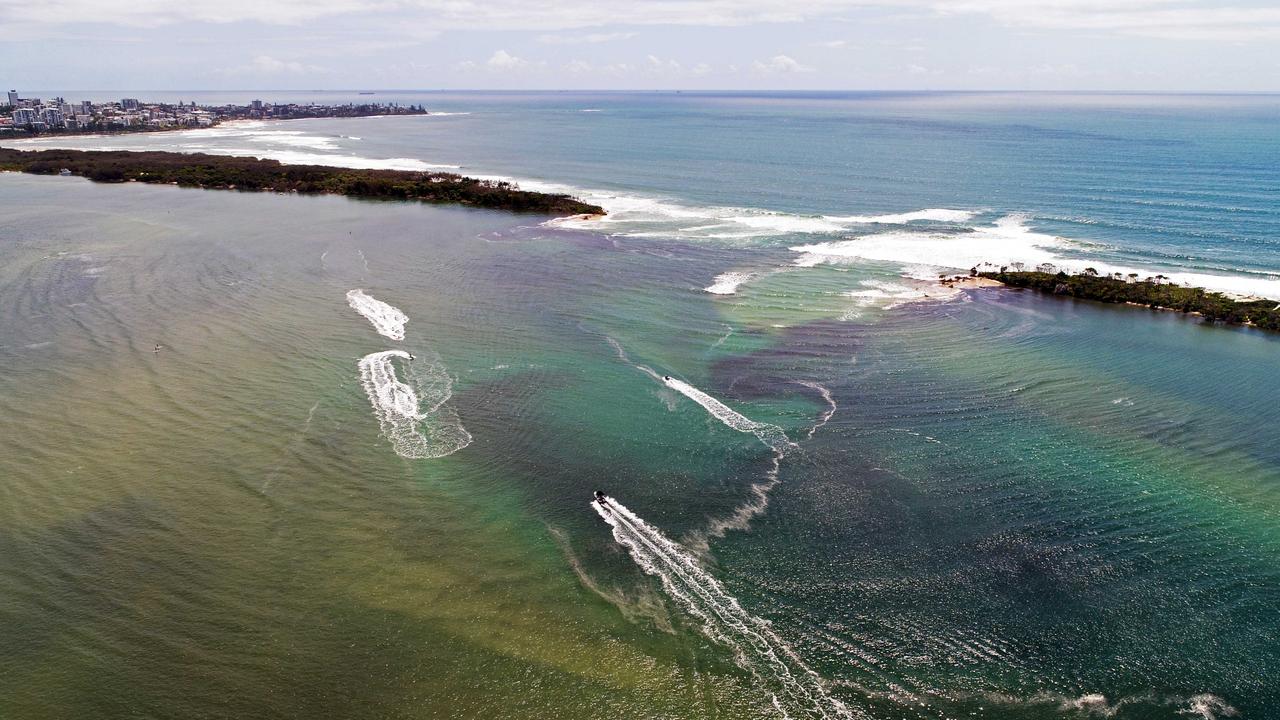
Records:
x=600, y=497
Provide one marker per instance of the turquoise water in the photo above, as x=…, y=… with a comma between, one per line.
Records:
x=858, y=494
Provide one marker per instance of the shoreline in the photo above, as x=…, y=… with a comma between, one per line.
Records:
x=1213, y=307
x=11, y=133
x=248, y=174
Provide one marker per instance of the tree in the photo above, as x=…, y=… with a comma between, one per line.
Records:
x=1090, y=272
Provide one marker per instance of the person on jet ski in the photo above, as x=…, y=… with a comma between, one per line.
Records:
x=600, y=497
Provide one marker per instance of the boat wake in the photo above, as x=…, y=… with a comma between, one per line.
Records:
x=413, y=417
x=796, y=690
x=826, y=396
x=388, y=320
x=770, y=435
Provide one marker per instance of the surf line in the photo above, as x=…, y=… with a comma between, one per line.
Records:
x=796, y=690
x=388, y=320
x=417, y=426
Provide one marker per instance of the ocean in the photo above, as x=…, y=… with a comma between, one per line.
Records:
x=280, y=456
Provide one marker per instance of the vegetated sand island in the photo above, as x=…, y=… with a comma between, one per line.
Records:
x=225, y=172
x=1089, y=285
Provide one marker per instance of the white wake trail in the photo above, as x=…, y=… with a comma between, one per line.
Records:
x=770, y=435
x=826, y=396
x=388, y=320
x=413, y=418
x=797, y=691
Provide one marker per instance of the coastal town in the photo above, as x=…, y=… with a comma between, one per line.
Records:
x=35, y=116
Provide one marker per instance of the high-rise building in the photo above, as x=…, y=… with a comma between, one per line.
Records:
x=13, y=98
x=52, y=117
x=130, y=104
x=25, y=116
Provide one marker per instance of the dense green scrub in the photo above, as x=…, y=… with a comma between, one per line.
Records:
x=244, y=173
x=1090, y=286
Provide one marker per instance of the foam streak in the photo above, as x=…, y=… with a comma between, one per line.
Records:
x=413, y=418
x=388, y=320
x=770, y=435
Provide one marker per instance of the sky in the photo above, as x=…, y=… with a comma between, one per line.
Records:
x=1050, y=45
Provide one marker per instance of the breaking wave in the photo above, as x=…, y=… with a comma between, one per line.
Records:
x=1008, y=240
x=243, y=139
x=413, y=417
x=388, y=320
x=931, y=214
x=796, y=690
x=727, y=283
x=638, y=216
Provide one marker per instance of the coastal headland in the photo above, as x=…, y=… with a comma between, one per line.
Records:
x=221, y=172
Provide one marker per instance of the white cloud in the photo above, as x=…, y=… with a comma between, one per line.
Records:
x=780, y=64
x=267, y=65
x=585, y=39
x=832, y=43
x=658, y=65
x=1065, y=69
x=503, y=60
x=1176, y=19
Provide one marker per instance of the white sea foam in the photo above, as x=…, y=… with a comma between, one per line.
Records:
x=1009, y=240
x=388, y=320
x=728, y=331
x=728, y=283
x=247, y=139
x=639, y=216
x=826, y=397
x=413, y=417
x=1209, y=707
x=930, y=214
x=770, y=435
x=888, y=294
x=795, y=689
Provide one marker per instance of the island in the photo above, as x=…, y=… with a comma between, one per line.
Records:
x=223, y=172
x=1153, y=292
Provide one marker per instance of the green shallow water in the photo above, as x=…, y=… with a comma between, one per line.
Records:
x=1020, y=508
